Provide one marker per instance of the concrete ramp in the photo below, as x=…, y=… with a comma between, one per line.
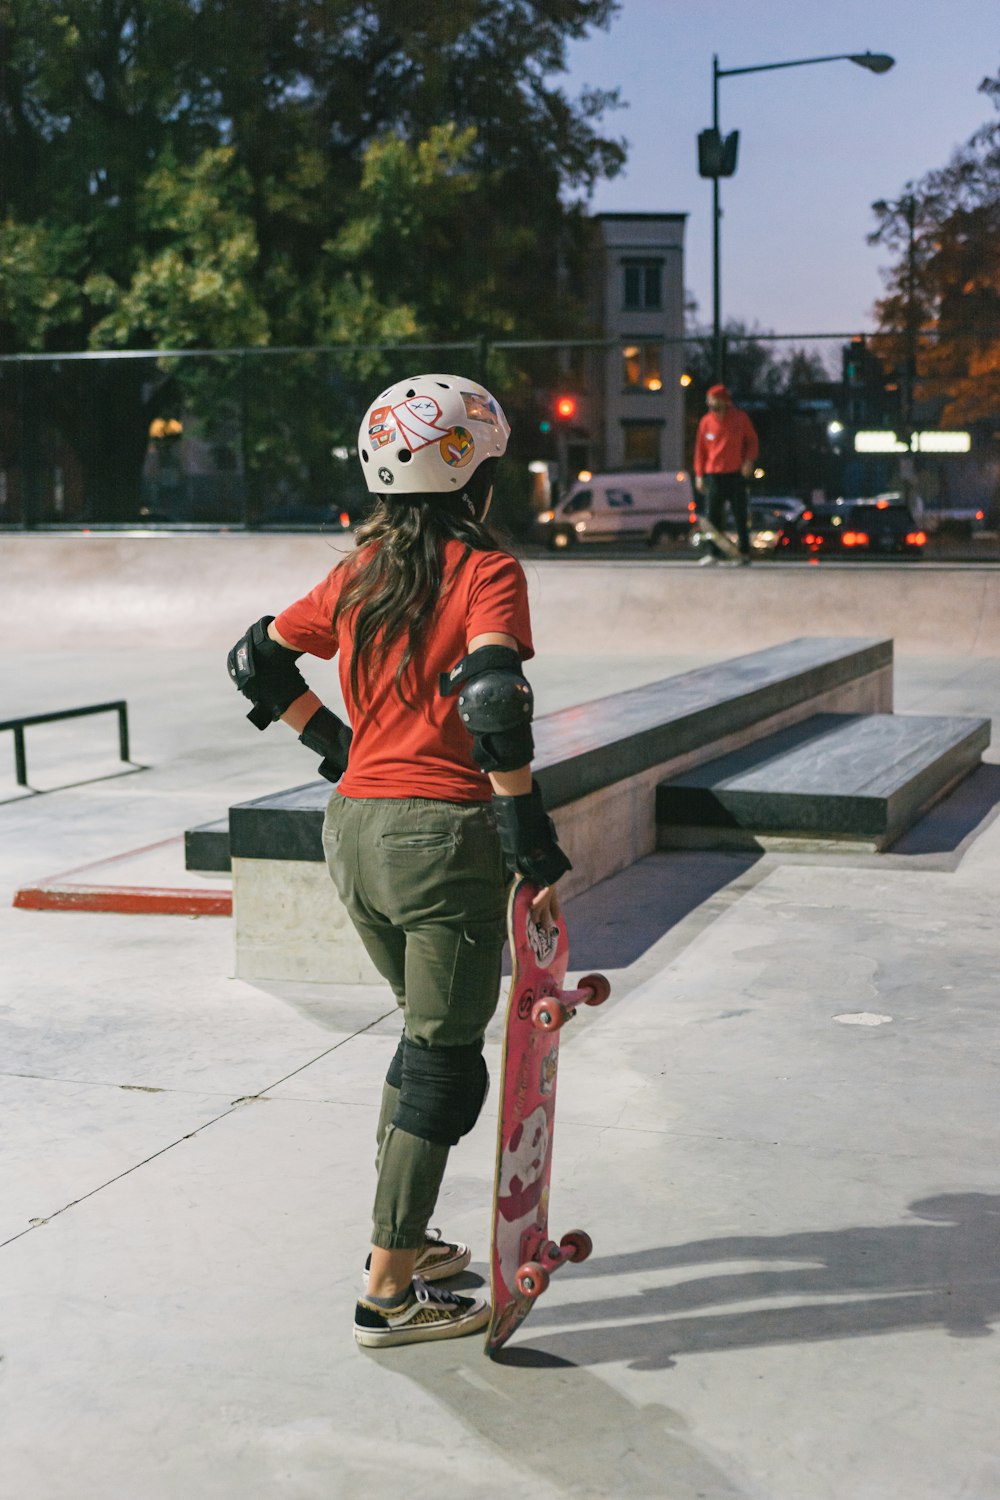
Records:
x=169, y=591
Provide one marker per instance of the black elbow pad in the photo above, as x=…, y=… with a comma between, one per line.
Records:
x=265, y=672
x=496, y=705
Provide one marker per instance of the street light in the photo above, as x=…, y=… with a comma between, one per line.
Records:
x=717, y=158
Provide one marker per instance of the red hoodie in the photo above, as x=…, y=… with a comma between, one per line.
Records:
x=726, y=441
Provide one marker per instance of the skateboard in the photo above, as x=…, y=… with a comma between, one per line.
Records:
x=711, y=533
x=522, y=1255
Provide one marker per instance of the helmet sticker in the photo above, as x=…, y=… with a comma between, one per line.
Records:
x=418, y=421
x=457, y=448
x=386, y=475
x=381, y=428
x=480, y=407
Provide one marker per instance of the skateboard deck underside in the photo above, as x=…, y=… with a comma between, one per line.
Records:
x=528, y=1077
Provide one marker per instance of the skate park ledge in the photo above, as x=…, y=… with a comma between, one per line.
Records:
x=600, y=765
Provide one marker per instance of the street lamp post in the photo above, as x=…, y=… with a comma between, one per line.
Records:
x=724, y=163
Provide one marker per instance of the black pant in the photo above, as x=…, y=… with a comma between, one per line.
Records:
x=722, y=490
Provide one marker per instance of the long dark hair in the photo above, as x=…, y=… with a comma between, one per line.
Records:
x=393, y=581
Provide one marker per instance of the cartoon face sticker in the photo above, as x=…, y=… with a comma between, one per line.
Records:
x=381, y=427
x=523, y=1164
x=419, y=421
x=480, y=408
x=522, y=1197
x=543, y=942
x=457, y=448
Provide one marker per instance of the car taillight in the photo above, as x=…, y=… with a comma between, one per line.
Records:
x=806, y=515
x=345, y=519
x=855, y=539
x=979, y=515
x=811, y=540
x=916, y=539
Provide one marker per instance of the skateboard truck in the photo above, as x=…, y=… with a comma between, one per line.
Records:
x=533, y=1276
x=554, y=1011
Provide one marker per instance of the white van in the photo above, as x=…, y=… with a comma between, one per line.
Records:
x=640, y=507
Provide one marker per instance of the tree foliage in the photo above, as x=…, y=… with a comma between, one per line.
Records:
x=942, y=304
x=240, y=171
x=246, y=173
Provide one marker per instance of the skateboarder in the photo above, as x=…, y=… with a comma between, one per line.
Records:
x=724, y=454
x=429, y=615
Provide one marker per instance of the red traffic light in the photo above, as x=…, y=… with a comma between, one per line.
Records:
x=566, y=408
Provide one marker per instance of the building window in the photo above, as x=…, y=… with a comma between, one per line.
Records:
x=643, y=285
x=642, y=367
x=642, y=444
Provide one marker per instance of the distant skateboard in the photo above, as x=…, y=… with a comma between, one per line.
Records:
x=711, y=533
x=522, y=1256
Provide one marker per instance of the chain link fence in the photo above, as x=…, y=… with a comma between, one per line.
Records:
x=266, y=438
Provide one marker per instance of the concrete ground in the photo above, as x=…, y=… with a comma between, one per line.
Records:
x=781, y=1132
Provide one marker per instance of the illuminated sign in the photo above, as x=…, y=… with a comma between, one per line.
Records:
x=921, y=442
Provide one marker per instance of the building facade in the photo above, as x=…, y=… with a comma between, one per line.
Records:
x=636, y=398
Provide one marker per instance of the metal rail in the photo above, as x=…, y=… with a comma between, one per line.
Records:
x=18, y=726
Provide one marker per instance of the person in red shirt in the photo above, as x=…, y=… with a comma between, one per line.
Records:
x=428, y=617
x=724, y=454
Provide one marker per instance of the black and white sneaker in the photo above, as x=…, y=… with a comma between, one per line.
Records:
x=438, y=1259
x=424, y=1313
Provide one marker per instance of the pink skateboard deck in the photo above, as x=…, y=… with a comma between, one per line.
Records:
x=522, y=1256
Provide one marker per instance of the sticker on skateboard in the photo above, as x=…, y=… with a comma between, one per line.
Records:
x=522, y=1256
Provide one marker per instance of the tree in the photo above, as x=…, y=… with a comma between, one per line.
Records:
x=940, y=317
x=197, y=173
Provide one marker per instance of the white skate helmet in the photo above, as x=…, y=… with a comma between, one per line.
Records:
x=429, y=434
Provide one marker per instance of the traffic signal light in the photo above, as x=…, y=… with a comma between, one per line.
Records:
x=565, y=408
x=717, y=153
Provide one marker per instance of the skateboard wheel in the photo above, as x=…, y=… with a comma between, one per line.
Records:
x=531, y=1279
x=577, y=1243
x=547, y=1015
x=599, y=987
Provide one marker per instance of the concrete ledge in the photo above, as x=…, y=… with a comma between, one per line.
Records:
x=599, y=765
x=834, y=779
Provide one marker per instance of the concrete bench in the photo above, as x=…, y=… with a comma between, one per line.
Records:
x=599, y=765
x=836, y=780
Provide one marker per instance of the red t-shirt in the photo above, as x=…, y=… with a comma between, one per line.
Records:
x=423, y=751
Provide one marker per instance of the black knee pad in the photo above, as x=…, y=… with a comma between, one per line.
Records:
x=394, y=1076
x=441, y=1092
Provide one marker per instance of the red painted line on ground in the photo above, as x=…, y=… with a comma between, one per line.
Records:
x=126, y=899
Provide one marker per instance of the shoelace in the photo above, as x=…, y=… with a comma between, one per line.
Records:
x=425, y=1293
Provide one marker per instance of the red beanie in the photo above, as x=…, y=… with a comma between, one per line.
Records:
x=720, y=391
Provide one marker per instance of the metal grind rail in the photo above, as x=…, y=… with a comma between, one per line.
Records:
x=19, y=725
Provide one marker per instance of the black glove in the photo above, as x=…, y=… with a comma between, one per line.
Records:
x=330, y=737
x=528, y=837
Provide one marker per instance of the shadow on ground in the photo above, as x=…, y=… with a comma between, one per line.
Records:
x=536, y=1401
x=948, y=825
x=942, y=1272
x=616, y=922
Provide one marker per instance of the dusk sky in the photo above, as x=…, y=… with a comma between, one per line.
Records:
x=817, y=144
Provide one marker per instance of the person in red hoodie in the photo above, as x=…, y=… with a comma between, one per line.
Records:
x=724, y=454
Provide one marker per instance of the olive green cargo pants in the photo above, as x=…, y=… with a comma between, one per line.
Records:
x=425, y=885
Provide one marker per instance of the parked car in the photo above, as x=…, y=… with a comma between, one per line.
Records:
x=644, y=507
x=770, y=518
x=880, y=526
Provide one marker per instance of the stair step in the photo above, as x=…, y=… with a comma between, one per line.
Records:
x=843, y=778
x=207, y=847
